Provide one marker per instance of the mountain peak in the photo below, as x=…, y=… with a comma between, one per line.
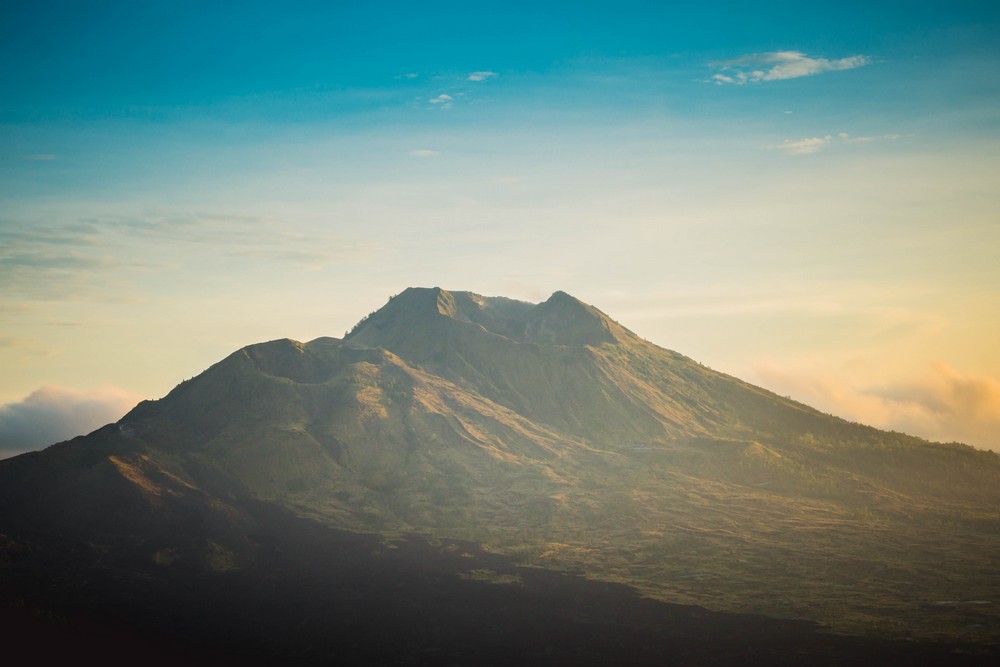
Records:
x=562, y=319
x=560, y=295
x=565, y=320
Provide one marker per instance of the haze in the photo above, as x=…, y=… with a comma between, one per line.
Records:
x=804, y=197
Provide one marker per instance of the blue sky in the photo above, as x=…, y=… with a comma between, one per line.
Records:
x=804, y=196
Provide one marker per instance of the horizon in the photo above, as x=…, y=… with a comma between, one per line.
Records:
x=802, y=197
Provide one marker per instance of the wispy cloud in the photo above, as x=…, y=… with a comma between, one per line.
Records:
x=457, y=91
x=802, y=146
x=811, y=145
x=851, y=139
x=40, y=157
x=26, y=346
x=422, y=152
x=312, y=255
x=481, y=76
x=444, y=100
x=779, y=65
x=106, y=257
x=53, y=414
x=34, y=273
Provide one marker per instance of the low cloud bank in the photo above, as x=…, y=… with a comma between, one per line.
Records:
x=940, y=403
x=52, y=414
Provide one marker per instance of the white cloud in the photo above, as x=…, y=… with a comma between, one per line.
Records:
x=52, y=414
x=444, y=100
x=423, y=152
x=778, y=65
x=481, y=76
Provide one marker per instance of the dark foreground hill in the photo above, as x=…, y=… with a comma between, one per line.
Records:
x=469, y=479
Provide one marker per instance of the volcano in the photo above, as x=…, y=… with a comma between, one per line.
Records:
x=483, y=480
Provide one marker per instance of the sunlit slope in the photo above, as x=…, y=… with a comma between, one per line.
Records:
x=551, y=432
x=566, y=364
x=423, y=416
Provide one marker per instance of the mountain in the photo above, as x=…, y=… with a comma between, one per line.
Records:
x=541, y=435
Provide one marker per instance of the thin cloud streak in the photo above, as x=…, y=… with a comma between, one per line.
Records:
x=780, y=65
x=26, y=346
x=810, y=145
x=806, y=146
x=106, y=256
x=481, y=76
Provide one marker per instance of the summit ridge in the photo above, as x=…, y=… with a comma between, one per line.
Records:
x=560, y=320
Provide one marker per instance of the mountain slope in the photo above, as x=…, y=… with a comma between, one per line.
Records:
x=553, y=434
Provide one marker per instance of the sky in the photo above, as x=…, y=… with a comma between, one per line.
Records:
x=804, y=195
